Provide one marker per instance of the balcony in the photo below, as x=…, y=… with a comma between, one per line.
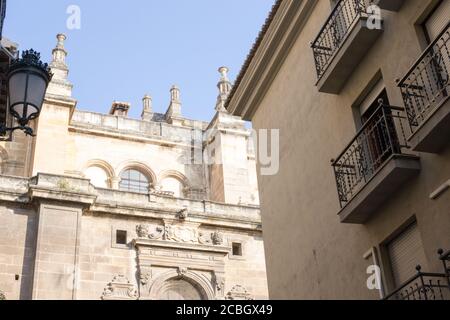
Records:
x=426, y=286
x=342, y=43
x=373, y=166
x=390, y=5
x=426, y=94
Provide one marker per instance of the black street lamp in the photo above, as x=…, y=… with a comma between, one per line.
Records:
x=28, y=78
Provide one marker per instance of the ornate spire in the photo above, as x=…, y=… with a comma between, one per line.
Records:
x=147, y=110
x=60, y=84
x=224, y=86
x=59, y=53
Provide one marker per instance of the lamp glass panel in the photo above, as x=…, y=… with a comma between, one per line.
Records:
x=36, y=92
x=17, y=86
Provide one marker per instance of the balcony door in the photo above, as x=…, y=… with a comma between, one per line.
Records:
x=379, y=131
x=439, y=60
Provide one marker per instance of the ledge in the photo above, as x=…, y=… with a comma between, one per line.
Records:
x=352, y=51
x=433, y=134
x=389, y=178
x=389, y=5
x=180, y=246
x=108, y=201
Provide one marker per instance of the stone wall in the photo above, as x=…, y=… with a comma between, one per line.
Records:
x=59, y=237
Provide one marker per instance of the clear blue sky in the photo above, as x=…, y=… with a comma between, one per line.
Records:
x=126, y=49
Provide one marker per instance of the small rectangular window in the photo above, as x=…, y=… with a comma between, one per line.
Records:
x=237, y=249
x=121, y=237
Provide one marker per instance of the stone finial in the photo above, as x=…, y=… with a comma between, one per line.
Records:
x=120, y=108
x=147, y=108
x=60, y=84
x=59, y=52
x=173, y=114
x=225, y=87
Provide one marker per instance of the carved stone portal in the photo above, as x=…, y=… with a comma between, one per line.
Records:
x=182, y=269
x=120, y=288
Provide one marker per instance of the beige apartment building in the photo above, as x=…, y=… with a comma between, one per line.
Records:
x=103, y=206
x=360, y=93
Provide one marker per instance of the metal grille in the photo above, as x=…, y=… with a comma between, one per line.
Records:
x=426, y=286
x=426, y=85
x=334, y=32
x=372, y=147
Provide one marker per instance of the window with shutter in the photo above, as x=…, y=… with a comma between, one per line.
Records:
x=405, y=253
x=438, y=20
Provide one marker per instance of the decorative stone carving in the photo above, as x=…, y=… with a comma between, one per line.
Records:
x=204, y=238
x=143, y=231
x=158, y=234
x=145, y=278
x=217, y=238
x=238, y=293
x=183, y=214
x=2, y=296
x=181, y=234
x=120, y=288
x=182, y=271
x=220, y=286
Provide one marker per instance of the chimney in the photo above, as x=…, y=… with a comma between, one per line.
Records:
x=147, y=110
x=120, y=109
x=173, y=114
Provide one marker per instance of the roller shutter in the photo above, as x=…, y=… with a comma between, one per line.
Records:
x=438, y=20
x=406, y=252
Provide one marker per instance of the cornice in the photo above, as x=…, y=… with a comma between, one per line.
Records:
x=272, y=49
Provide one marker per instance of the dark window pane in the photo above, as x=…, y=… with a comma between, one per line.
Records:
x=121, y=237
x=237, y=249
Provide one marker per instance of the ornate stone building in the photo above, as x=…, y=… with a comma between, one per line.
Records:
x=102, y=206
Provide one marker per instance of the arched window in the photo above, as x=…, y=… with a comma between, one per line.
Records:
x=171, y=184
x=134, y=181
x=99, y=178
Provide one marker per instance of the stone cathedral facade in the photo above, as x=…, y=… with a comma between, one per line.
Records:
x=102, y=206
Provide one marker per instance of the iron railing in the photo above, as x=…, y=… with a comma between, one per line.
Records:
x=335, y=31
x=425, y=286
x=372, y=147
x=427, y=83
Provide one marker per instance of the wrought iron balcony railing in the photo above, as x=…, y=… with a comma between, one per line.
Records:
x=427, y=84
x=335, y=31
x=372, y=147
x=425, y=286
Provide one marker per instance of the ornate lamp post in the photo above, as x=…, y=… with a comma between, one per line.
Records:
x=28, y=78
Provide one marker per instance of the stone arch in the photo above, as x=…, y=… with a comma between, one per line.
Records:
x=200, y=283
x=176, y=175
x=105, y=166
